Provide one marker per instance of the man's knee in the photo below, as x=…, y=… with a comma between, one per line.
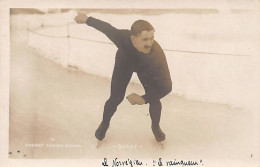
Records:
x=115, y=100
x=155, y=103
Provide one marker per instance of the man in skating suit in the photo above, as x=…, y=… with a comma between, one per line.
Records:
x=137, y=52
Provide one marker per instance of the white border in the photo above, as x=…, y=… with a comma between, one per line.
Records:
x=5, y=5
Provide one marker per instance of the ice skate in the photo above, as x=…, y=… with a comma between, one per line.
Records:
x=161, y=145
x=101, y=132
x=158, y=134
x=98, y=143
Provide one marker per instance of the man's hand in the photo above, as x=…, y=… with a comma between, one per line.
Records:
x=135, y=99
x=81, y=18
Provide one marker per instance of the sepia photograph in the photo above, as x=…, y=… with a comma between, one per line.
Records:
x=129, y=86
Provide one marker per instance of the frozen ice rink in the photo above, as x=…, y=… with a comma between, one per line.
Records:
x=211, y=114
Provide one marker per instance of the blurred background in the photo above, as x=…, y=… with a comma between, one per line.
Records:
x=212, y=53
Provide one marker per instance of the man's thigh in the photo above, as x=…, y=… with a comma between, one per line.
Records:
x=122, y=74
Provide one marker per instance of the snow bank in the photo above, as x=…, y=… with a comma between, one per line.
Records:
x=217, y=78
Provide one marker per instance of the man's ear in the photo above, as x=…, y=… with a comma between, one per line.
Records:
x=132, y=37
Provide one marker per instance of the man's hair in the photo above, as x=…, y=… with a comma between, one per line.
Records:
x=139, y=26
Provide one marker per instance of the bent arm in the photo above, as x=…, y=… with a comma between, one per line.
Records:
x=115, y=35
x=159, y=91
x=162, y=83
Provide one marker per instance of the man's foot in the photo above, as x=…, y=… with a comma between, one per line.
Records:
x=101, y=131
x=158, y=133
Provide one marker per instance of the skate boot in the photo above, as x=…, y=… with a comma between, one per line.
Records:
x=101, y=131
x=158, y=133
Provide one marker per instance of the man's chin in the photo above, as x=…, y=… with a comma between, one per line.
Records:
x=147, y=51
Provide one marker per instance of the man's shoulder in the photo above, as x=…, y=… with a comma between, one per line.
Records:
x=157, y=48
x=156, y=44
x=125, y=32
x=124, y=38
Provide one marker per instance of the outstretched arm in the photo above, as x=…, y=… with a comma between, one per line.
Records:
x=115, y=35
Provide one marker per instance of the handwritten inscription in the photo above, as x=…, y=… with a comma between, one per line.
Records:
x=155, y=163
x=127, y=162
x=182, y=163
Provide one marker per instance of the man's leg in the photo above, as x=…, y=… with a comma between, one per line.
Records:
x=155, y=109
x=121, y=76
x=119, y=83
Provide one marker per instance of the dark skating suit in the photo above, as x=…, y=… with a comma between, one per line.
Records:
x=152, y=70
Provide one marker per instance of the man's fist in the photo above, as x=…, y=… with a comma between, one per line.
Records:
x=135, y=99
x=81, y=18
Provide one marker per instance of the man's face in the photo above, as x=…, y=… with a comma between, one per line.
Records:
x=143, y=42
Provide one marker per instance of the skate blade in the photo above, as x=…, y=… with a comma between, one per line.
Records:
x=98, y=143
x=161, y=144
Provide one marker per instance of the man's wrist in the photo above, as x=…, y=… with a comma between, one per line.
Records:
x=145, y=99
x=88, y=20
